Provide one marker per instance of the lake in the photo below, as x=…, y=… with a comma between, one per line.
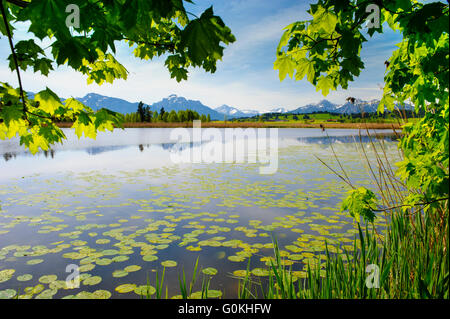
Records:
x=120, y=210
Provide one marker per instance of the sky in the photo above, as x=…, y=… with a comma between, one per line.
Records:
x=245, y=77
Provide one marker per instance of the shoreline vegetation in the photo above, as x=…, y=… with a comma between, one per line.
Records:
x=222, y=124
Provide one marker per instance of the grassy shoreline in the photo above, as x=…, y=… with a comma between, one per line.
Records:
x=221, y=124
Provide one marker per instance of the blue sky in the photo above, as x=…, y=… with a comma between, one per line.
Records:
x=245, y=77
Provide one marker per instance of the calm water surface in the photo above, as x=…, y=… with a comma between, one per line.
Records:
x=119, y=201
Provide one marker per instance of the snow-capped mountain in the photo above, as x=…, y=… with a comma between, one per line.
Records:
x=358, y=106
x=322, y=106
x=232, y=112
x=278, y=110
x=177, y=103
x=174, y=102
x=97, y=101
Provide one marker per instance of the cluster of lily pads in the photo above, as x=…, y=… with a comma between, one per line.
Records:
x=118, y=227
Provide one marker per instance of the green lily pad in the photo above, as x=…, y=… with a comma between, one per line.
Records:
x=86, y=267
x=125, y=288
x=6, y=274
x=236, y=258
x=210, y=271
x=260, y=272
x=102, y=241
x=84, y=295
x=91, y=281
x=149, y=258
x=7, y=293
x=47, y=294
x=103, y=261
x=101, y=294
x=58, y=284
x=169, y=263
x=119, y=273
x=132, y=268
x=120, y=258
x=240, y=273
x=110, y=252
x=145, y=290
x=46, y=279
x=25, y=277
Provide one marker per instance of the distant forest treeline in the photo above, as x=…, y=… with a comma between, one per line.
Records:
x=330, y=116
x=145, y=114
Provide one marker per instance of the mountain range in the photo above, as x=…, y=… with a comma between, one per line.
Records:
x=174, y=102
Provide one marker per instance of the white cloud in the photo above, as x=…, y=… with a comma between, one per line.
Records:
x=266, y=30
x=245, y=78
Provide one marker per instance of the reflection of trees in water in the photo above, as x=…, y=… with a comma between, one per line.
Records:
x=51, y=153
x=7, y=156
x=345, y=139
x=179, y=147
x=102, y=149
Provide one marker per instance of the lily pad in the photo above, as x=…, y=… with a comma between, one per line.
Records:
x=25, y=277
x=119, y=273
x=240, y=273
x=103, y=261
x=169, y=263
x=145, y=290
x=120, y=258
x=236, y=258
x=149, y=258
x=6, y=274
x=47, y=294
x=7, y=293
x=209, y=271
x=86, y=267
x=91, y=281
x=102, y=241
x=101, y=294
x=132, y=268
x=46, y=279
x=260, y=272
x=125, y=288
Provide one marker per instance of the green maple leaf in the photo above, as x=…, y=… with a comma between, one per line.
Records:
x=325, y=83
x=305, y=67
x=285, y=65
x=48, y=101
x=11, y=113
x=202, y=37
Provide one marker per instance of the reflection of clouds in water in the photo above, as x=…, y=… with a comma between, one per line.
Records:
x=147, y=148
x=343, y=139
x=126, y=158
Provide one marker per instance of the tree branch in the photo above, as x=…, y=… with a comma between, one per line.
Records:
x=168, y=45
x=418, y=204
x=19, y=3
x=8, y=32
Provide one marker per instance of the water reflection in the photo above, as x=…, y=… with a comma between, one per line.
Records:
x=345, y=139
x=102, y=149
x=50, y=152
x=7, y=156
x=146, y=149
x=180, y=147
